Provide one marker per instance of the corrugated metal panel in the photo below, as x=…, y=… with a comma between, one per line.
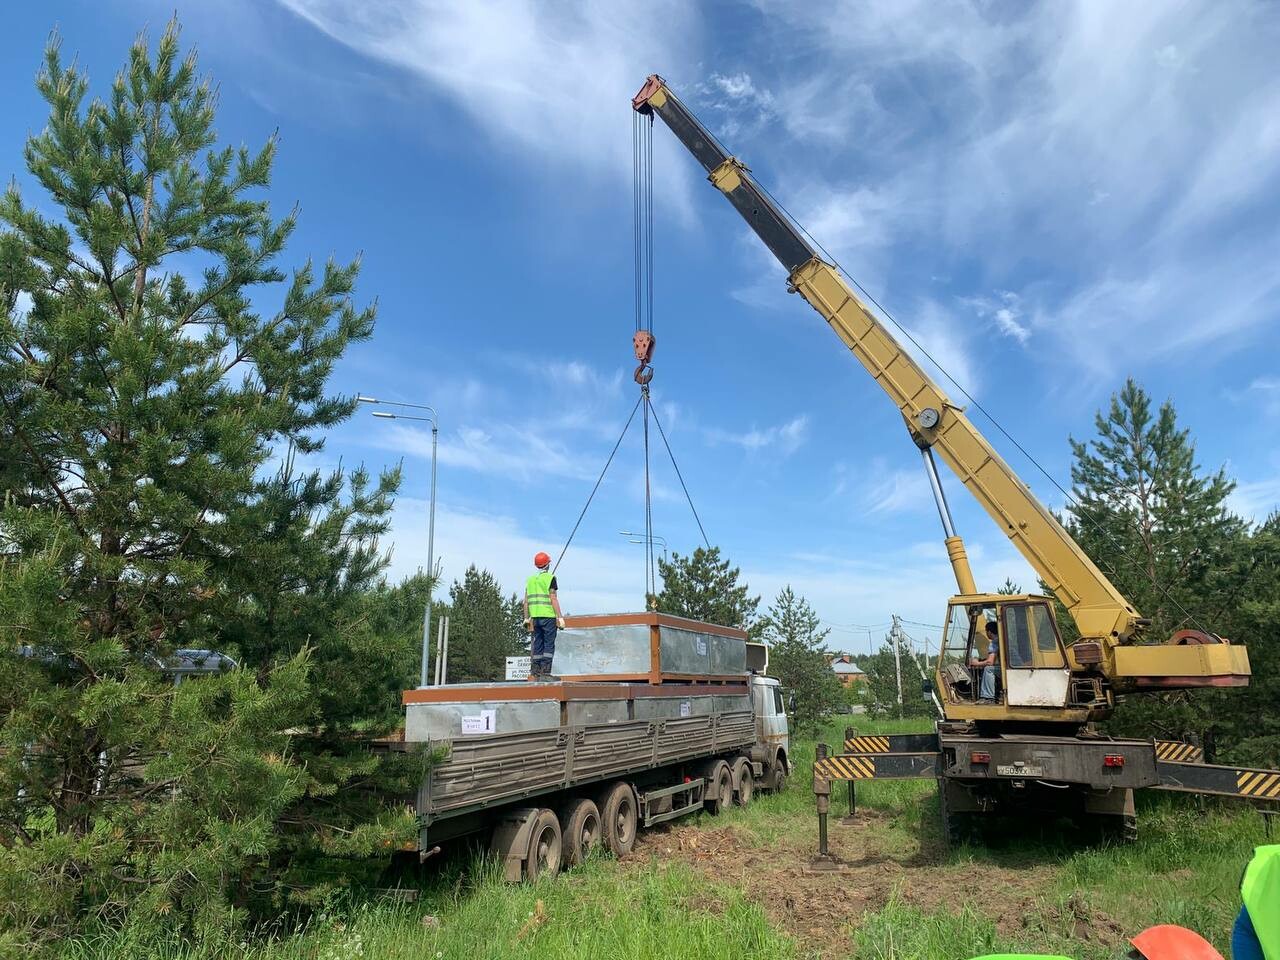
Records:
x=486, y=769
x=735, y=730
x=684, y=737
x=613, y=749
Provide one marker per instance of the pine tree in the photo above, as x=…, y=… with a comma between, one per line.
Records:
x=1146, y=512
x=704, y=587
x=484, y=628
x=1159, y=527
x=156, y=418
x=797, y=642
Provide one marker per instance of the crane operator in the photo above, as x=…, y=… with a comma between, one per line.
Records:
x=542, y=617
x=990, y=665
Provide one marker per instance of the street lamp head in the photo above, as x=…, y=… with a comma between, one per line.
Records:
x=361, y=398
x=384, y=415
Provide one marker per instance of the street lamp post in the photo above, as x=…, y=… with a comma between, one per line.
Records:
x=654, y=538
x=431, y=522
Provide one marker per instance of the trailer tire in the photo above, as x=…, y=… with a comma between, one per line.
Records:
x=580, y=826
x=717, y=795
x=744, y=782
x=545, y=846
x=618, y=819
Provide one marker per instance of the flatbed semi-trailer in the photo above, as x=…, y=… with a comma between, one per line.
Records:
x=550, y=770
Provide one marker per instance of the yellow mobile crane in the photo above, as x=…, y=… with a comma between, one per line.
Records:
x=1033, y=740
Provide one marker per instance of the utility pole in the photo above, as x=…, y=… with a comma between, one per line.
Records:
x=896, y=634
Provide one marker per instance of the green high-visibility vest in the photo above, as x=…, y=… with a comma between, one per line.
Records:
x=537, y=590
x=1260, y=891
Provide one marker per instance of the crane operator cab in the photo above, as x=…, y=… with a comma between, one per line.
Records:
x=1014, y=641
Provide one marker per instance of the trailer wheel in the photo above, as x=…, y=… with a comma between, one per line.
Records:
x=581, y=825
x=618, y=819
x=744, y=781
x=544, y=846
x=717, y=795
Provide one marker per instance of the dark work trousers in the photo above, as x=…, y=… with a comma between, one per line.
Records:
x=544, y=646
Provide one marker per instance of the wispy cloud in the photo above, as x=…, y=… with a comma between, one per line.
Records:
x=898, y=491
x=592, y=579
x=1088, y=137
x=551, y=81
x=784, y=439
x=1004, y=310
x=1257, y=500
x=513, y=451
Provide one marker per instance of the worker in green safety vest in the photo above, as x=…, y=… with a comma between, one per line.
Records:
x=542, y=618
x=1257, y=932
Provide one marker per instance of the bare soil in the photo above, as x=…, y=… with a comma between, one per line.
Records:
x=820, y=910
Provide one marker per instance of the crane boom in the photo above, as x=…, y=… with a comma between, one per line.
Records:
x=934, y=421
x=1107, y=622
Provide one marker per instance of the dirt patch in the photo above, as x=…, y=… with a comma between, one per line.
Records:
x=821, y=910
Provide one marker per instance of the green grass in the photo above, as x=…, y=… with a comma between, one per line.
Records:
x=1081, y=900
x=598, y=911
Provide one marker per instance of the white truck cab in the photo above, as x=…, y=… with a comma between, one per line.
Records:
x=773, y=740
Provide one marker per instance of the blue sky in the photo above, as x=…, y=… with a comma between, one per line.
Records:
x=1050, y=197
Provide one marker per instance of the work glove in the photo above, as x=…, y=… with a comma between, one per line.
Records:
x=528, y=625
x=560, y=623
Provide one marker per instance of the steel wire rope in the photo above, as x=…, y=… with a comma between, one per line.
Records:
x=679, y=476
x=650, y=583
x=599, y=480
x=635, y=215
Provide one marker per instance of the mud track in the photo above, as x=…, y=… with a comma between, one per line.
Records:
x=822, y=910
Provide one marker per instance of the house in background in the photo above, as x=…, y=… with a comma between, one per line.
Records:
x=842, y=666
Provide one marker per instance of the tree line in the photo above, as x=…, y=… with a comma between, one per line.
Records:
x=164, y=380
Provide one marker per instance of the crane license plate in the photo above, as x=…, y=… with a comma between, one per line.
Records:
x=1018, y=770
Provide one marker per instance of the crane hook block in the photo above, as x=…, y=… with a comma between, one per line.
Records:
x=643, y=342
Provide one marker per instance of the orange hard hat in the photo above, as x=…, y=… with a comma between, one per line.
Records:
x=1171, y=942
x=541, y=559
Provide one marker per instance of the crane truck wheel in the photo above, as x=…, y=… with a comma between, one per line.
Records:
x=744, y=782
x=717, y=795
x=545, y=846
x=580, y=821
x=618, y=818
x=775, y=780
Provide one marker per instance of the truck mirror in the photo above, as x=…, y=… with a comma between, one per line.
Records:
x=926, y=688
x=791, y=703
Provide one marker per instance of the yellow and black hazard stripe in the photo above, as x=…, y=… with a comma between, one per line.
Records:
x=1258, y=783
x=1176, y=750
x=867, y=745
x=845, y=768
